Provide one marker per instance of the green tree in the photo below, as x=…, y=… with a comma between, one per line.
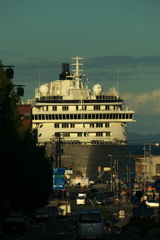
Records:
x=25, y=172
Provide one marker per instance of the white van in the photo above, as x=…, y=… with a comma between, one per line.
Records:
x=89, y=224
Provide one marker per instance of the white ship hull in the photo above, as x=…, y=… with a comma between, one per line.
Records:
x=91, y=124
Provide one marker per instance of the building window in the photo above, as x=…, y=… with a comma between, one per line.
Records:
x=56, y=125
x=158, y=168
x=54, y=108
x=65, y=108
x=107, y=107
x=96, y=107
x=99, y=125
x=79, y=134
x=107, y=134
x=64, y=125
x=107, y=125
x=92, y=125
x=99, y=134
x=72, y=125
x=66, y=134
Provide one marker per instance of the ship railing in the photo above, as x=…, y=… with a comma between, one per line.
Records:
x=106, y=96
x=93, y=142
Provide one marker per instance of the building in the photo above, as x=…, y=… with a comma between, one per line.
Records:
x=147, y=168
x=25, y=111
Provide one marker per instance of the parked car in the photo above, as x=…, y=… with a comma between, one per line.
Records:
x=41, y=215
x=100, y=201
x=152, y=203
x=80, y=200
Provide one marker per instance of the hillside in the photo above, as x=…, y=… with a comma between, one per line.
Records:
x=135, y=138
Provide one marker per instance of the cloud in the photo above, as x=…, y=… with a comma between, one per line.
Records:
x=143, y=103
x=101, y=62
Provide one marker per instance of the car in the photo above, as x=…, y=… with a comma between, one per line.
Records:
x=82, y=194
x=99, y=194
x=91, y=181
x=93, y=191
x=89, y=224
x=152, y=203
x=41, y=215
x=108, y=226
x=80, y=200
x=100, y=201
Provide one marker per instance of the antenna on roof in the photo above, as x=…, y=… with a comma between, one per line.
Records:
x=39, y=77
x=117, y=80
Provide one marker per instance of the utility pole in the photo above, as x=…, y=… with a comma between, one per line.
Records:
x=58, y=150
x=111, y=165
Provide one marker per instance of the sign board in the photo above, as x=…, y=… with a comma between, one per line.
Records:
x=157, y=185
x=107, y=169
x=142, y=211
x=85, y=181
x=59, y=182
x=68, y=171
x=58, y=178
x=121, y=214
x=58, y=170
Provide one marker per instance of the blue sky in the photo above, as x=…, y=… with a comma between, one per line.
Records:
x=108, y=34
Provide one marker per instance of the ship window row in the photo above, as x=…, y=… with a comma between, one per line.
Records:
x=105, y=97
x=100, y=98
x=78, y=108
x=81, y=116
x=86, y=134
x=91, y=125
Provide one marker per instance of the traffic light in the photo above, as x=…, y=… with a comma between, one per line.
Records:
x=99, y=169
x=20, y=91
x=70, y=168
x=9, y=73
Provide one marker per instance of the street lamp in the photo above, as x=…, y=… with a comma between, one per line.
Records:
x=10, y=75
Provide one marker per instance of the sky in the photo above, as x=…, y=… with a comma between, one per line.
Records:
x=118, y=39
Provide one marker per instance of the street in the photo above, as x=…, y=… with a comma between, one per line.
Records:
x=59, y=228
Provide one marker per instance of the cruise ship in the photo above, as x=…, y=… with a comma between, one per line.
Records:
x=82, y=129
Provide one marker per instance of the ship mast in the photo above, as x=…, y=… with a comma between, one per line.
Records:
x=78, y=68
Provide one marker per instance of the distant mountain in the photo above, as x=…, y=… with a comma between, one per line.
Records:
x=135, y=138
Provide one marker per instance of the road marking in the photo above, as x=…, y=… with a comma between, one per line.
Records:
x=91, y=202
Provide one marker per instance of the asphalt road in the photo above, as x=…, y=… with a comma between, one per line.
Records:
x=59, y=229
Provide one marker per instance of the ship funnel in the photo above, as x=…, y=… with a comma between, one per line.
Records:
x=65, y=71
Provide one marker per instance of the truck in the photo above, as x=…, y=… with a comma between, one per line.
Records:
x=80, y=182
x=14, y=222
x=64, y=209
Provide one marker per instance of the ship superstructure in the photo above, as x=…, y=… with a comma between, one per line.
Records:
x=90, y=126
